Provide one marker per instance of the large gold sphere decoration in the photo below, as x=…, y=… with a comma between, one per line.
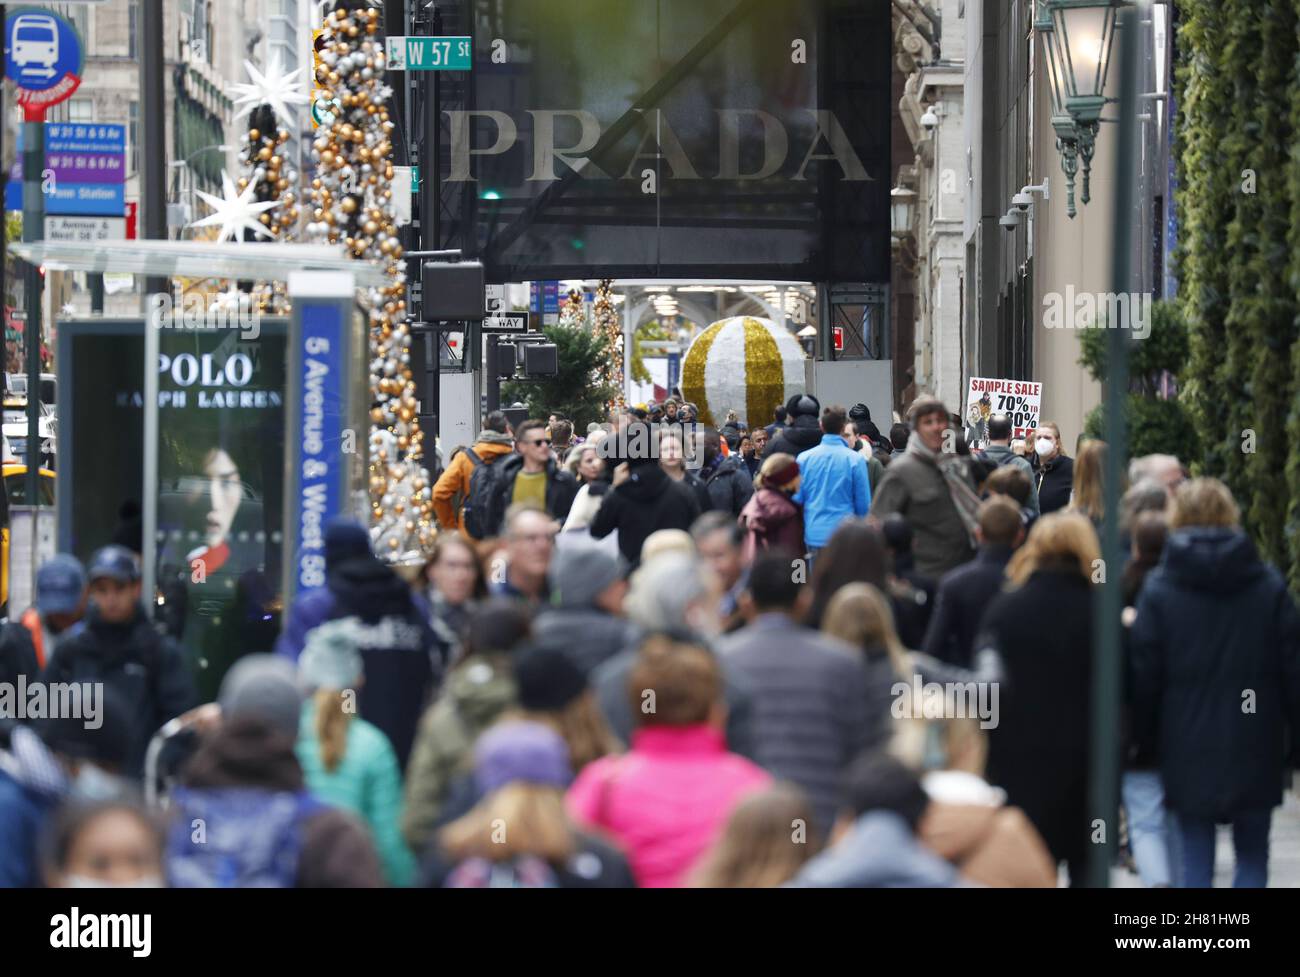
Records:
x=746, y=364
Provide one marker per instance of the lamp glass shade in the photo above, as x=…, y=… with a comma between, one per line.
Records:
x=1084, y=34
x=902, y=205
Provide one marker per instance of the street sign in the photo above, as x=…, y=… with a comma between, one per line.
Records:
x=43, y=59
x=85, y=168
x=494, y=299
x=429, y=53
x=85, y=230
x=506, y=322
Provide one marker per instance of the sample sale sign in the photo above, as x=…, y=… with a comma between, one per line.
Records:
x=1021, y=400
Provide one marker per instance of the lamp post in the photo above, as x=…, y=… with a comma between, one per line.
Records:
x=1077, y=36
x=902, y=209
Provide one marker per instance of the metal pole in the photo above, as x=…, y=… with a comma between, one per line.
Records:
x=153, y=146
x=430, y=149
x=33, y=230
x=490, y=375
x=1103, y=787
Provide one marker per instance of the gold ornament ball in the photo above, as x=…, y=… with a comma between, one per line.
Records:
x=349, y=205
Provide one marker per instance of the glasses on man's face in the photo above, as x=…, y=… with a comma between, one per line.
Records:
x=534, y=444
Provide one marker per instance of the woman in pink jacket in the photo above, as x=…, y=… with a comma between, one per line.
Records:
x=771, y=518
x=668, y=799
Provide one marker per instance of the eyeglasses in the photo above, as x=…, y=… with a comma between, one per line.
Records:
x=545, y=441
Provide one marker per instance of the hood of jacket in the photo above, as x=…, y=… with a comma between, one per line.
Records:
x=804, y=433
x=729, y=465
x=1211, y=558
x=494, y=439
x=767, y=507
x=879, y=852
x=245, y=752
x=645, y=483
x=369, y=589
x=1000, y=452
x=480, y=687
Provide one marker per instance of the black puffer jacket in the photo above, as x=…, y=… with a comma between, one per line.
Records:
x=1055, y=482
x=1214, y=655
x=561, y=490
x=648, y=501
x=400, y=654
x=730, y=485
x=804, y=433
x=146, y=669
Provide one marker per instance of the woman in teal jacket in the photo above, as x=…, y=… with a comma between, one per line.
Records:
x=347, y=761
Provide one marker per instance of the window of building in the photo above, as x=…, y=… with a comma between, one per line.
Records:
x=81, y=110
x=133, y=30
x=133, y=138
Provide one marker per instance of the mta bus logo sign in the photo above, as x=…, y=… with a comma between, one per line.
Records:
x=43, y=58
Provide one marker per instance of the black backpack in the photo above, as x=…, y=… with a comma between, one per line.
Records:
x=477, y=518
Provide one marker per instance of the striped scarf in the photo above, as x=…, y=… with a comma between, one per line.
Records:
x=956, y=475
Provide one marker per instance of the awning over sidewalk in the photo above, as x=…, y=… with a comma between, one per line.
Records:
x=199, y=259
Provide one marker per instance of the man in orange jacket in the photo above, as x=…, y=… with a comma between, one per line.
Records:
x=452, y=488
x=60, y=603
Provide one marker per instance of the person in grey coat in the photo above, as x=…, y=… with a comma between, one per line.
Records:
x=673, y=594
x=999, y=452
x=810, y=690
x=587, y=590
x=874, y=845
x=931, y=486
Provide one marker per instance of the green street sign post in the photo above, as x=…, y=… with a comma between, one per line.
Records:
x=429, y=53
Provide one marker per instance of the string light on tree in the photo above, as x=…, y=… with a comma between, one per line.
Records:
x=352, y=204
x=610, y=331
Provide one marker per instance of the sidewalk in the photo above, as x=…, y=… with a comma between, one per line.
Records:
x=1284, y=851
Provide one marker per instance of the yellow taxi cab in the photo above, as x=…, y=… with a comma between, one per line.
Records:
x=15, y=493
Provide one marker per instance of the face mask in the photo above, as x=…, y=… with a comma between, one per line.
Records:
x=92, y=783
x=1046, y=446
x=85, y=882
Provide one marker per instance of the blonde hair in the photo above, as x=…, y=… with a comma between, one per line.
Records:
x=772, y=464
x=583, y=728
x=536, y=820
x=663, y=541
x=1204, y=502
x=962, y=744
x=761, y=846
x=860, y=615
x=1089, y=480
x=1056, y=539
x=331, y=727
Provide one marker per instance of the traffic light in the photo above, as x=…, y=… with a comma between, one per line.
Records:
x=453, y=291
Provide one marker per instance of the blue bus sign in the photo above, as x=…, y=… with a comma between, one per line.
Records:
x=43, y=58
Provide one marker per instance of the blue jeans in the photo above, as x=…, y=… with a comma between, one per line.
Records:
x=1150, y=831
x=1249, y=843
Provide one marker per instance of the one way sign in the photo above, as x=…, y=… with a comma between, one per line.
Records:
x=506, y=322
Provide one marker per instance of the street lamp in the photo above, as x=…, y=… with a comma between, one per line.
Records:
x=902, y=208
x=1078, y=36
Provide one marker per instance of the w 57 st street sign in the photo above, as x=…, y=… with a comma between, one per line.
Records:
x=429, y=53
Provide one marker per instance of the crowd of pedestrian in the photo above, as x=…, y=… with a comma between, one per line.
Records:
x=806, y=654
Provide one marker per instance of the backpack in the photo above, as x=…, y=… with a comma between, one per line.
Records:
x=478, y=504
x=236, y=837
x=524, y=872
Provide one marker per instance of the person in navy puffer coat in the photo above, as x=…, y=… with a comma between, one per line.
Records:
x=1215, y=671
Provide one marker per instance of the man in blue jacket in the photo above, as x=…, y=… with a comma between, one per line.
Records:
x=834, y=483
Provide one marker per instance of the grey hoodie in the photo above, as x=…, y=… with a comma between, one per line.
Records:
x=1001, y=455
